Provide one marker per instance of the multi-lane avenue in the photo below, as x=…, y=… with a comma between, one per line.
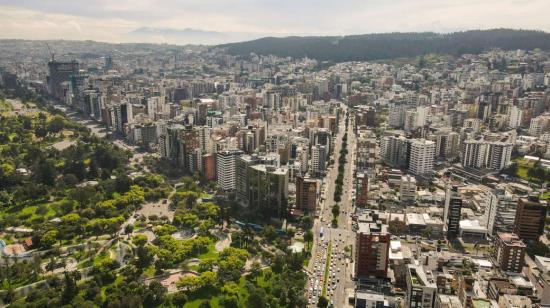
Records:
x=340, y=263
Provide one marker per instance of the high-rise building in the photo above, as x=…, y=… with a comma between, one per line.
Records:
x=395, y=151
x=499, y=155
x=480, y=154
x=446, y=144
x=318, y=159
x=225, y=163
x=422, y=157
x=515, y=114
x=372, y=244
x=209, y=166
x=306, y=194
x=396, y=116
x=365, y=149
x=421, y=289
x=510, y=252
x=452, y=211
x=361, y=189
x=506, y=211
x=530, y=218
x=268, y=189
x=241, y=181
x=181, y=145
x=473, y=154
x=539, y=125
x=59, y=72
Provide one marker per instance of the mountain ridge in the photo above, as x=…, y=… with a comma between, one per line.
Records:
x=378, y=46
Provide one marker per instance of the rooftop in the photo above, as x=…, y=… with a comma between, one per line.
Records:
x=372, y=228
x=511, y=239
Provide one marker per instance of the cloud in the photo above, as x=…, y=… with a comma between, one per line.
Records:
x=109, y=20
x=27, y=24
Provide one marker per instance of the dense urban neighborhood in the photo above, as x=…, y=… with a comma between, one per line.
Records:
x=143, y=175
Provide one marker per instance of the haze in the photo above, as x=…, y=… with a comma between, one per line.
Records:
x=117, y=21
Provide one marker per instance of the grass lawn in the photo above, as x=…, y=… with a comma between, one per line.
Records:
x=150, y=271
x=523, y=168
x=28, y=212
x=214, y=302
x=210, y=254
x=214, y=298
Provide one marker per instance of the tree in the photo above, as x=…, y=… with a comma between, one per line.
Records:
x=257, y=297
x=290, y=232
x=269, y=233
x=157, y=294
x=306, y=222
x=205, y=304
x=129, y=229
x=190, y=283
x=308, y=237
x=56, y=125
x=206, y=265
x=45, y=172
x=255, y=270
x=336, y=210
x=93, y=170
x=48, y=239
x=511, y=170
x=179, y=299
x=139, y=240
x=40, y=132
x=70, y=289
x=187, y=220
x=229, y=302
x=84, y=195
x=231, y=289
x=323, y=302
x=537, y=248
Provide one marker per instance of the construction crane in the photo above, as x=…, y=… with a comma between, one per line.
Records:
x=50, y=50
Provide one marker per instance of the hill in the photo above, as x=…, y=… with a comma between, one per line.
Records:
x=392, y=45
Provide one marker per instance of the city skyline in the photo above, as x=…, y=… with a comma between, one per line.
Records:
x=218, y=21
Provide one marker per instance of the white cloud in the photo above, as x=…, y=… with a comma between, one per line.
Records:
x=108, y=20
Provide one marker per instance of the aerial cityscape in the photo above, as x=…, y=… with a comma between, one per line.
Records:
x=271, y=168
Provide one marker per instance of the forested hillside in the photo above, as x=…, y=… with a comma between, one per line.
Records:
x=392, y=45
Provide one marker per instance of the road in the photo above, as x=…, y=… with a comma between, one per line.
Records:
x=340, y=267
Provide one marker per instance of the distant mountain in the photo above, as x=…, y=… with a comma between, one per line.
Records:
x=187, y=36
x=392, y=45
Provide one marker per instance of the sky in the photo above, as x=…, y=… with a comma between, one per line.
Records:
x=112, y=21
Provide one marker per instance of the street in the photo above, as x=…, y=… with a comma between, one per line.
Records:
x=340, y=267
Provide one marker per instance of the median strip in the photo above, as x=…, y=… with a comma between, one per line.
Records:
x=327, y=264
